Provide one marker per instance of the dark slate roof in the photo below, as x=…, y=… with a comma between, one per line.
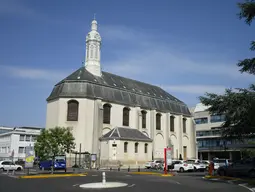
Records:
x=117, y=89
x=122, y=133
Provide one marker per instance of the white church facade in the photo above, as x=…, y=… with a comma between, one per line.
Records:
x=117, y=118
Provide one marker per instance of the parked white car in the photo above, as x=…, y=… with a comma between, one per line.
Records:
x=198, y=166
x=181, y=166
x=220, y=162
x=153, y=164
x=8, y=165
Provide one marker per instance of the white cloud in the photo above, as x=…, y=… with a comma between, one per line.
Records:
x=195, y=89
x=153, y=56
x=34, y=74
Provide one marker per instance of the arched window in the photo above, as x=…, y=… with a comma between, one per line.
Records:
x=158, y=121
x=136, y=147
x=146, y=148
x=143, y=118
x=126, y=116
x=96, y=52
x=91, y=51
x=184, y=121
x=125, y=147
x=72, y=110
x=107, y=113
x=172, y=123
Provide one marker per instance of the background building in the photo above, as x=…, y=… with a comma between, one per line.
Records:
x=210, y=144
x=94, y=102
x=13, y=141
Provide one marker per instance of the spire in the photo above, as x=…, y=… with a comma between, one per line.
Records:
x=94, y=24
x=93, y=50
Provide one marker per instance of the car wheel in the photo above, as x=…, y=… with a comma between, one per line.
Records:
x=18, y=169
x=181, y=170
x=252, y=174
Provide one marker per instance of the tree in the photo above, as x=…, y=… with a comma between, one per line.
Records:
x=247, y=153
x=53, y=142
x=237, y=104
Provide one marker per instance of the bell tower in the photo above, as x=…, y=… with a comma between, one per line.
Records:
x=93, y=50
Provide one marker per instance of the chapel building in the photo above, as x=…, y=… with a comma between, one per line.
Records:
x=117, y=118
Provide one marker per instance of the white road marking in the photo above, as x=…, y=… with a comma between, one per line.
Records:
x=245, y=186
x=75, y=185
x=131, y=185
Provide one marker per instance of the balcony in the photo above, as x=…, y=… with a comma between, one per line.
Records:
x=208, y=134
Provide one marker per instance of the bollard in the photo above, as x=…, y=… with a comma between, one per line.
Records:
x=7, y=171
x=128, y=168
x=97, y=168
x=13, y=172
x=139, y=169
x=103, y=180
x=118, y=168
x=110, y=168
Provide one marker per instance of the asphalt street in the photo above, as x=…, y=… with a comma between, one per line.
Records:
x=137, y=183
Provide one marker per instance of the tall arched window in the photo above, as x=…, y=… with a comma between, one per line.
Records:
x=107, y=113
x=72, y=110
x=125, y=147
x=136, y=147
x=146, y=148
x=126, y=116
x=184, y=121
x=158, y=121
x=143, y=118
x=172, y=123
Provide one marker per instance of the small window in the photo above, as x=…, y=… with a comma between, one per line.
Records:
x=125, y=147
x=136, y=147
x=22, y=138
x=21, y=150
x=146, y=148
x=28, y=138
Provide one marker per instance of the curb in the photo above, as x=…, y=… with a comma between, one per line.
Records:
x=152, y=173
x=231, y=180
x=46, y=176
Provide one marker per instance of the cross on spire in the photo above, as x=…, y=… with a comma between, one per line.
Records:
x=94, y=16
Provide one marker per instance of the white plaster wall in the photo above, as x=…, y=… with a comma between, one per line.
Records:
x=104, y=153
x=130, y=157
x=52, y=114
x=83, y=129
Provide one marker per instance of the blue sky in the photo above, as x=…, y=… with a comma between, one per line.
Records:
x=187, y=48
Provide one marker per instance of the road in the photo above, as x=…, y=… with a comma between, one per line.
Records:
x=135, y=183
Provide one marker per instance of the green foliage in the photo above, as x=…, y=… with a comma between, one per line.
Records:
x=247, y=11
x=54, y=141
x=248, y=152
x=237, y=104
